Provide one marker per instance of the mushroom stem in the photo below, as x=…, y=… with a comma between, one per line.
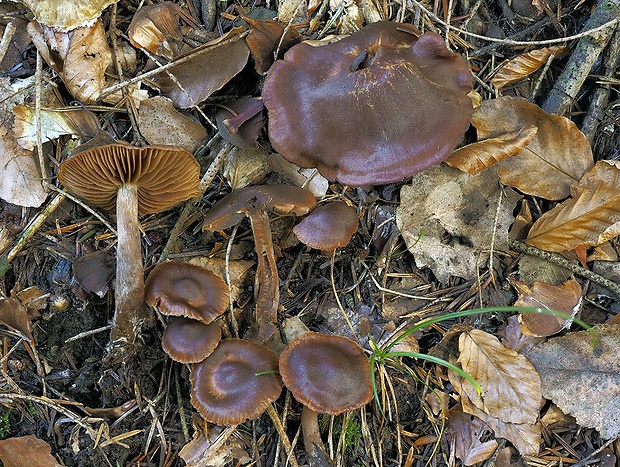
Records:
x=130, y=311
x=317, y=457
x=267, y=280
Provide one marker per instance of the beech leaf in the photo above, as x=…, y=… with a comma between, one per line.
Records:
x=558, y=149
x=54, y=123
x=216, y=64
x=565, y=298
x=583, y=379
x=523, y=65
x=589, y=218
x=26, y=451
x=478, y=156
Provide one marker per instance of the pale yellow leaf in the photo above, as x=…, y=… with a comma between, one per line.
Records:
x=523, y=65
x=53, y=124
x=589, y=218
x=556, y=158
x=582, y=376
x=478, y=156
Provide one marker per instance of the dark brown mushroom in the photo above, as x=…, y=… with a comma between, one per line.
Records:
x=327, y=374
x=137, y=181
x=328, y=226
x=257, y=202
x=183, y=289
x=375, y=107
x=236, y=382
x=186, y=340
x=240, y=121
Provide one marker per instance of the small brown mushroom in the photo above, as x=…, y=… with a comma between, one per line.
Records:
x=137, y=181
x=328, y=226
x=256, y=202
x=186, y=340
x=183, y=289
x=373, y=108
x=327, y=374
x=236, y=382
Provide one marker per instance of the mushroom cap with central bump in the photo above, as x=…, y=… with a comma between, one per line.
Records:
x=328, y=374
x=236, y=382
x=164, y=175
x=373, y=108
x=183, y=289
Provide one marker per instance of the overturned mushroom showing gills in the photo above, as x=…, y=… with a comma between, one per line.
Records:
x=327, y=374
x=373, y=108
x=236, y=382
x=137, y=181
x=257, y=202
x=183, y=289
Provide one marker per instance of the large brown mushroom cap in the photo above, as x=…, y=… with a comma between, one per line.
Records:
x=236, y=382
x=373, y=108
x=328, y=374
x=183, y=289
x=189, y=341
x=65, y=15
x=328, y=227
x=165, y=175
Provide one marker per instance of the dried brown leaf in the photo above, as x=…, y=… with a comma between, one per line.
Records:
x=583, y=379
x=589, y=218
x=510, y=384
x=478, y=156
x=556, y=158
x=14, y=314
x=523, y=65
x=26, y=451
x=156, y=28
x=93, y=271
x=216, y=64
x=565, y=298
x=464, y=433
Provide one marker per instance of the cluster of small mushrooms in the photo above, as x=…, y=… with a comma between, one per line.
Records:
x=373, y=108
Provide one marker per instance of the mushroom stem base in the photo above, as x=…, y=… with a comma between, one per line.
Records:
x=315, y=450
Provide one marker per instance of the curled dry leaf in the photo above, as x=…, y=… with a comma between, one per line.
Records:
x=94, y=271
x=558, y=149
x=14, y=314
x=80, y=57
x=565, y=298
x=511, y=396
x=160, y=123
x=213, y=446
x=26, y=450
x=582, y=376
x=523, y=65
x=156, y=28
x=590, y=217
x=213, y=65
x=478, y=156
x=464, y=432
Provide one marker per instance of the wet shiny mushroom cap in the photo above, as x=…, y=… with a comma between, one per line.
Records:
x=328, y=227
x=328, y=374
x=183, y=289
x=281, y=199
x=236, y=382
x=373, y=108
x=164, y=175
x=187, y=340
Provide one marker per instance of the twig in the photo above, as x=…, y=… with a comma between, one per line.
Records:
x=283, y=437
x=9, y=30
x=560, y=260
x=37, y=121
x=92, y=332
x=568, y=84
